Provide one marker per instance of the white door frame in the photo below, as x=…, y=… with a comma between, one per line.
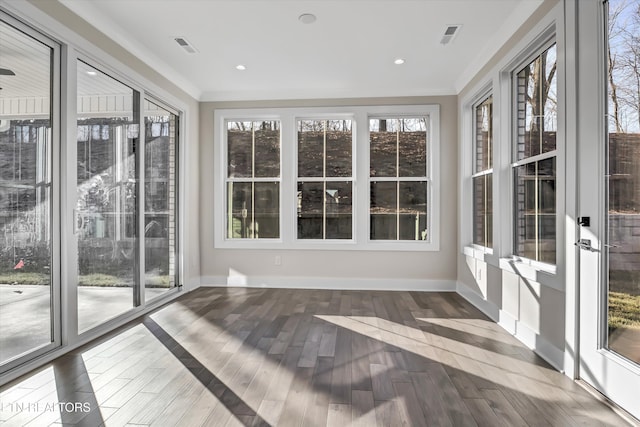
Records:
x=614, y=376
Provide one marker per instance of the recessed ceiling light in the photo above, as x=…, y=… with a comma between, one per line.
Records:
x=399, y=61
x=241, y=67
x=307, y=18
x=92, y=73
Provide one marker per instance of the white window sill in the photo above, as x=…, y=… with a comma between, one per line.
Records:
x=332, y=245
x=545, y=274
x=481, y=254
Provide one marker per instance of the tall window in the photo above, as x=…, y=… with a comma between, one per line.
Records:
x=253, y=179
x=27, y=199
x=483, y=173
x=160, y=197
x=325, y=179
x=398, y=178
x=535, y=159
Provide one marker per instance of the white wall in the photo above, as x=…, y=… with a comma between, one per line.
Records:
x=345, y=269
x=530, y=305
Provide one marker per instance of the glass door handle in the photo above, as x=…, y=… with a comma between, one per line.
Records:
x=586, y=245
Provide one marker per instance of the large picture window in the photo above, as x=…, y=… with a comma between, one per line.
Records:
x=328, y=178
x=534, y=165
x=483, y=173
x=325, y=182
x=253, y=179
x=398, y=178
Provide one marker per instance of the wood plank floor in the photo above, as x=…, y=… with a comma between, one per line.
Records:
x=264, y=357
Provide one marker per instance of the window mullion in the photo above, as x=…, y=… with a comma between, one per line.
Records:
x=324, y=181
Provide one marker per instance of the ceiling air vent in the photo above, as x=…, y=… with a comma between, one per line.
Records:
x=449, y=33
x=185, y=45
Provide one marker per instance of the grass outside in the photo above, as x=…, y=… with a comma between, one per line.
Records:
x=624, y=299
x=624, y=310
x=101, y=280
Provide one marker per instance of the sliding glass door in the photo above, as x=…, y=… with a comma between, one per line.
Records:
x=107, y=188
x=161, y=127
x=28, y=256
x=88, y=197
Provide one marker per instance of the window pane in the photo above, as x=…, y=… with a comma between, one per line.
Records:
x=240, y=212
x=339, y=143
x=311, y=148
x=310, y=210
x=482, y=210
x=536, y=211
x=254, y=211
x=413, y=210
x=484, y=135
x=160, y=197
x=383, y=147
x=537, y=112
x=398, y=147
x=324, y=210
x=267, y=149
x=338, y=199
x=412, y=144
x=239, y=149
x=383, y=211
x=267, y=210
x=106, y=197
x=25, y=195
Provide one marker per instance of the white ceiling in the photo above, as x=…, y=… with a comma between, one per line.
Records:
x=348, y=52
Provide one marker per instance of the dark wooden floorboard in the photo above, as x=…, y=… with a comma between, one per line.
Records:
x=267, y=357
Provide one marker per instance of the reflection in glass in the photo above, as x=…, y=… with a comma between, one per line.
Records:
x=253, y=197
x=383, y=210
x=412, y=210
x=253, y=210
x=25, y=194
x=482, y=179
x=537, y=106
x=623, y=184
x=106, y=191
x=324, y=204
x=325, y=210
x=483, y=210
x=160, y=198
x=399, y=210
x=536, y=211
x=484, y=135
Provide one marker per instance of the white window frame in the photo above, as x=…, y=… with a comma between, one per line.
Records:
x=515, y=163
x=326, y=179
x=72, y=48
x=360, y=116
x=479, y=100
x=252, y=179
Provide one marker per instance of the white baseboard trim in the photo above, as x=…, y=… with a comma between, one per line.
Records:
x=191, y=283
x=333, y=283
x=553, y=355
